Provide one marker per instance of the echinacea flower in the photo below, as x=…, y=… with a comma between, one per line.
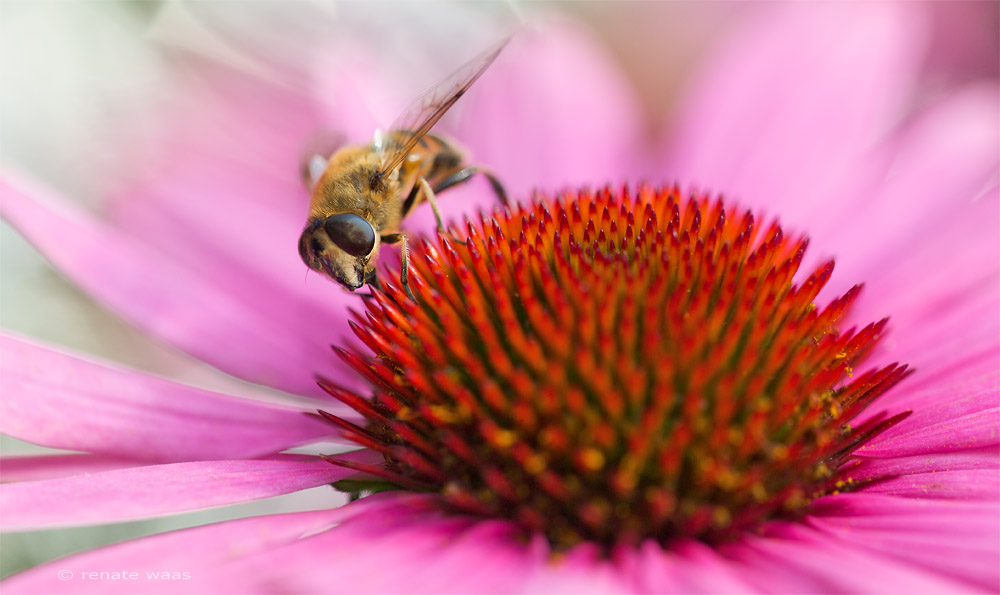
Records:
x=616, y=391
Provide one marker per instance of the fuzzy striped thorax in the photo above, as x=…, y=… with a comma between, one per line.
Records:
x=616, y=366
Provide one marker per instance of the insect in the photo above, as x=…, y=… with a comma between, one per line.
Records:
x=362, y=193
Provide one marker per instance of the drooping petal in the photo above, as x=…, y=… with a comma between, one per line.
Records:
x=402, y=544
x=228, y=202
x=392, y=553
x=187, y=552
x=188, y=308
x=146, y=492
x=61, y=401
x=35, y=468
x=388, y=542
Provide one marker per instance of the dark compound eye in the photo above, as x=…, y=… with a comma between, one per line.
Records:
x=351, y=233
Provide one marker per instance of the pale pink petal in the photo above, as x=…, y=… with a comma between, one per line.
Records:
x=415, y=549
x=145, y=492
x=950, y=331
x=923, y=240
x=928, y=213
x=189, y=551
x=577, y=119
x=228, y=203
x=553, y=112
x=61, y=401
x=368, y=546
x=400, y=544
x=165, y=299
x=417, y=556
x=792, y=101
x=960, y=540
x=35, y=468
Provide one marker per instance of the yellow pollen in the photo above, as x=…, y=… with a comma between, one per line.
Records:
x=535, y=464
x=721, y=516
x=443, y=413
x=592, y=458
x=779, y=452
x=504, y=438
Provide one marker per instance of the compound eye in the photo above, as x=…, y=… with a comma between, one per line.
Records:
x=351, y=233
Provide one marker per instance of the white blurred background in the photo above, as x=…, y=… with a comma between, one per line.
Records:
x=71, y=71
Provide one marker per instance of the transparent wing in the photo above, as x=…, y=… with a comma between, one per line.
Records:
x=428, y=109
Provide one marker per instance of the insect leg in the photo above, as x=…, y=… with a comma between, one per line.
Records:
x=429, y=195
x=404, y=273
x=464, y=174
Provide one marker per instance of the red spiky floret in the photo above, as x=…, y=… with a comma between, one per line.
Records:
x=612, y=366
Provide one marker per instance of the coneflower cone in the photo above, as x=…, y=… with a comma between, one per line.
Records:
x=614, y=366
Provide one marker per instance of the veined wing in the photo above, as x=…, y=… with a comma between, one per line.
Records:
x=423, y=113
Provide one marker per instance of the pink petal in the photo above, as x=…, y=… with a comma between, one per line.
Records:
x=975, y=430
x=245, y=237
x=583, y=569
x=35, y=468
x=147, y=492
x=959, y=484
x=61, y=401
x=798, y=558
x=951, y=382
x=164, y=298
x=928, y=207
x=961, y=475
x=188, y=551
x=413, y=548
x=949, y=339
x=936, y=216
x=961, y=422
x=576, y=117
x=399, y=545
x=553, y=112
x=687, y=567
x=791, y=102
x=955, y=539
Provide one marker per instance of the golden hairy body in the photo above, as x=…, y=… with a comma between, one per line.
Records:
x=362, y=193
x=346, y=183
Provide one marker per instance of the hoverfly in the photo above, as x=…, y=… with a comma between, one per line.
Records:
x=361, y=194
